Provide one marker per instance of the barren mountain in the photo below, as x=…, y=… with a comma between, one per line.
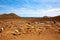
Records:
x=9, y=16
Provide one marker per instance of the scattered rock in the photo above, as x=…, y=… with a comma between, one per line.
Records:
x=1, y=29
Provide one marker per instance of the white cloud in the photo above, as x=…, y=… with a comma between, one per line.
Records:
x=24, y=12
x=46, y=0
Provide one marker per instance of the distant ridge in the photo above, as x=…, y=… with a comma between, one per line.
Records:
x=14, y=16
x=9, y=16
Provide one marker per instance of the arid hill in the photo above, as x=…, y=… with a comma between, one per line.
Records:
x=56, y=18
x=9, y=16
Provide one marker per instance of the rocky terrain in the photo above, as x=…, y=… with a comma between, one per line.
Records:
x=29, y=28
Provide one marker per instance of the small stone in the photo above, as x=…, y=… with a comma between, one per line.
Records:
x=1, y=29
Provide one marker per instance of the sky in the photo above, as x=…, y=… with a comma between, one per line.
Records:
x=30, y=8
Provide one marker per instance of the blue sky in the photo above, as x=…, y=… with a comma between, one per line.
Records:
x=31, y=8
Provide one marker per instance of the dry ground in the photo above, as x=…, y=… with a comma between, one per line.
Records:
x=21, y=29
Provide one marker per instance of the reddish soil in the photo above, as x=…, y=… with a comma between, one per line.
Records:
x=13, y=28
x=22, y=29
